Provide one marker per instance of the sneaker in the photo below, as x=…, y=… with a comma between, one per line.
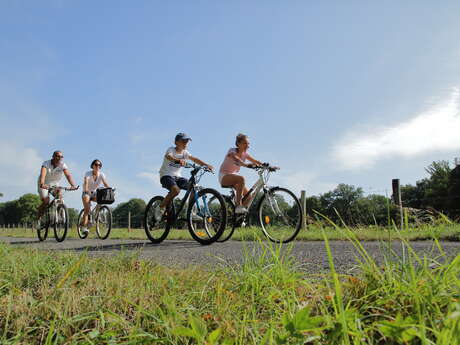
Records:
x=195, y=216
x=159, y=212
x=85, y=230
x=240, y=209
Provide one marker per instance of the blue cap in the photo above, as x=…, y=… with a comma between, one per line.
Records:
x=182, y=136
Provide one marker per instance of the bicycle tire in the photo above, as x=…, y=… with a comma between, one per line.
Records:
x=265, y=222
x=42, y=233
x=231, y=220
x=101, y=234
x=220, y=215
x=61, y=211
x=81, y=234
x=150, y=223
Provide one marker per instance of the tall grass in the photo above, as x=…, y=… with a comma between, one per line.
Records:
x=314, y=232
x=62, y=298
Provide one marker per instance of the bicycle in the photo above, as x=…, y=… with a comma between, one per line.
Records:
x=278, y=210
x=206, y=214
x=103, y=219
x=56, y=215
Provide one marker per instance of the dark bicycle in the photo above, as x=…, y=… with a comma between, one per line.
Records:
x=278, y=210
x=56, y=215
x=206, y=212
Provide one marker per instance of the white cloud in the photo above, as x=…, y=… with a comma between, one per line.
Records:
x=19, y=169
x=436, y=129
x=152, y=177
x=297, y=181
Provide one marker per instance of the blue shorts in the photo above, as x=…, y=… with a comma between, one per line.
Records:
x=169, y=181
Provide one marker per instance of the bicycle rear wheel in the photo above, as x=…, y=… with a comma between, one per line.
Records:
x=80, y=231
x=280, y=215
x=206, y=216
x=231, y=220
x=155, y=230
x=103, y=222
x=61, y=223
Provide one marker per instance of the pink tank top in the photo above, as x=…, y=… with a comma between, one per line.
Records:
x=230, y=165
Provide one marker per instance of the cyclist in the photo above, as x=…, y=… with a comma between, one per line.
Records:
x=228, y=173
x=170, y=172
x=50, y=175
x=93, y=180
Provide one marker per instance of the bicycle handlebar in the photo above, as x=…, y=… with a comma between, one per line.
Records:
x=62, y=188
x=264, y=166
x=197, y=167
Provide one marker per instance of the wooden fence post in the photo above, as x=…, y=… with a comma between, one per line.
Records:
x=303, y=205
x=397, y=199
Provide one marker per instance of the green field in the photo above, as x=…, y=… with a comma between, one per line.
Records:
x=449, y=232
x=64, y=298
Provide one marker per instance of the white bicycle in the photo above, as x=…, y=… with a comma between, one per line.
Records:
x=278, y=211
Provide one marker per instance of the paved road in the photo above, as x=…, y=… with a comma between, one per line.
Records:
x=309, y=256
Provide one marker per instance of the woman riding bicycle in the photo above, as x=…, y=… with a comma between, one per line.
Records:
x=228, y=173
x=93, y=180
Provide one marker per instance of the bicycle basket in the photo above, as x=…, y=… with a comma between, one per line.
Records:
x=105, y=196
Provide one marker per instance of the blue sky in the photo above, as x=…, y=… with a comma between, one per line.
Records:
x=332, y=92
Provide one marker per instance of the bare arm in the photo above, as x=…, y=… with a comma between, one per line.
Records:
x=104, y=182
x=69, y=177
x=42, y=176
x=171, y=158
x=85, y=185
x=200, y=162
x=240, y=161
x=255, y=161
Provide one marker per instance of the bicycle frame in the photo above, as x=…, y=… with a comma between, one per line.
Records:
x=195, y=189
x=93, y=213
x=260, y=184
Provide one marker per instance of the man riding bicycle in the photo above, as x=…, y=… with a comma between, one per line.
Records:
x=50, y=175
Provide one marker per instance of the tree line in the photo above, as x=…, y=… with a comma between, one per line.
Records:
x=440, y=190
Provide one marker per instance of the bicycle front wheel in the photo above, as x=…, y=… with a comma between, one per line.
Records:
x=156, y=229
x=43, y=225
x=206, y=216
x=61, y=223
x=80, y=231
x=103, y=222
x=280, y=215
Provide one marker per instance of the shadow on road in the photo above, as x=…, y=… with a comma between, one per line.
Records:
x=132, y=246
x=24, y=242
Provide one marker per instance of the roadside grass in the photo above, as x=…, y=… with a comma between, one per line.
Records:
x=64, y=298
x=315, y=232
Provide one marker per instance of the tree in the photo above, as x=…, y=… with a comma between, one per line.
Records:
x=341, y=200
x=437, y=188
x=27, y=206
x=136, y=207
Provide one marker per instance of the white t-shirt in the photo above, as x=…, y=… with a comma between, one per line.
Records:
x=53, y=174
x=169, y=168
x=94, y=184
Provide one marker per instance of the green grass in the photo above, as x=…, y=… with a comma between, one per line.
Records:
x=63, y=298
x=449, y=232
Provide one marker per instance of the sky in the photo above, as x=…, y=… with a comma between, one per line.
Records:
x=332, y=92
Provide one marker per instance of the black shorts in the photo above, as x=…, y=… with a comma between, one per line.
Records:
x=169, y=181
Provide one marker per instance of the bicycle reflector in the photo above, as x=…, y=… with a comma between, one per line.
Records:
x=210, y=219
x=267, y=220
x=200, y=233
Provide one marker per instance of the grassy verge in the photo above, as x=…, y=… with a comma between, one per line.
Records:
x=61, y=298
x=447, y=232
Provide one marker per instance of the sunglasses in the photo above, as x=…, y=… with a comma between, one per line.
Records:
x=58, y=157
x=98, y=164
